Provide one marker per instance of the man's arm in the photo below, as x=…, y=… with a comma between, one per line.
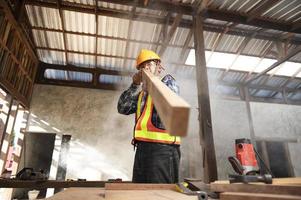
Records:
x=127, y=103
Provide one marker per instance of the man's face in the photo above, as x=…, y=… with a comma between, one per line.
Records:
x=154, y=67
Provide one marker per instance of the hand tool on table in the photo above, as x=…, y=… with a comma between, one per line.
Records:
x=183, y=188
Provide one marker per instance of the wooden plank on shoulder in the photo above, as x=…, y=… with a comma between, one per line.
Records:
x=256, y=196
x=173, y=110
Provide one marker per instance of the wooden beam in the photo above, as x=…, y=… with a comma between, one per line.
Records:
x=95, y=78
x=184, y=9
x=102, y=36
x=140, y=186
x=256, y=188
x=256, y=196
x=206, y=134
x=184, y=52
x=170, y=34
x=11, y=183
x=130, y=27
x=172, y=109
x=83, y=53
x=40, y=79
x=276, y=64
x=59, y=3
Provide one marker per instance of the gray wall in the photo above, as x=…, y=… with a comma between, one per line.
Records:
x=100, y=147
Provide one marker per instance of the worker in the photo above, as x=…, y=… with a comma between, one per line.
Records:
x=157, y=155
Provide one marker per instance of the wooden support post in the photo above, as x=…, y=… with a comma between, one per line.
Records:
x=172, y=109
x=206, y=134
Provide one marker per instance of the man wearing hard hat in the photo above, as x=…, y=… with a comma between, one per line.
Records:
x=158, y=153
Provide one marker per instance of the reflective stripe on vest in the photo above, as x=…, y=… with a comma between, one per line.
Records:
x=145, y=130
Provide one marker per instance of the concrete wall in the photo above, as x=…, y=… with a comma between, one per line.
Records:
x=100, y=146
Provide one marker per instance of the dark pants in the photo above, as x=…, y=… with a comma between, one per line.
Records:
x=156, y=163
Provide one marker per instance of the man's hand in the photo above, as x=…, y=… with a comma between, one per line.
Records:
x=137, y=78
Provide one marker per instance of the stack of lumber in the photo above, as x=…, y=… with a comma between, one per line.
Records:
x=282, y=188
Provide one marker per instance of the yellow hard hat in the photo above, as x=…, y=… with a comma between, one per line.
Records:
x=146, y=55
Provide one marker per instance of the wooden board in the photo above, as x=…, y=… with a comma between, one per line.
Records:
x=79, y=194
x=256, y=188
x=173, y=110
x=146, y=195
x=134, y=186
x=276, y=181
x=254, y=196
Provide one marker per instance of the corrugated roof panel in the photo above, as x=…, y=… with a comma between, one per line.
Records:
x=256, y=47
x=135, y=48
x=180, y=36
x=145, y=31
x=110, y=63
x=210, y=39
x=235, y=5
x=114, y=6
x=44, y=17
x=52, y=57
x=80, y=76
x=85, y=2
x=81, y=43
x=81, y=60
x=285, y=10
x=171, y=55
x=111, y=47
x=55, y=74
x=79, y=22
x=275, y=81
x=229, y=43
x=48, y=39
x=111, y=26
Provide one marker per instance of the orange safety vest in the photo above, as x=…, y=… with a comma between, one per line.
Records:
x=144, y=128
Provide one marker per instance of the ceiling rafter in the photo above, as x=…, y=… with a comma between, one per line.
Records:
x=59, y=5
x=178, y=8
x=96, y=75
x=170, y=34
x=184, y=23
x=130, y=27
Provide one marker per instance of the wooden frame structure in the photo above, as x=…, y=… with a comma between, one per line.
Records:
x=198, y=17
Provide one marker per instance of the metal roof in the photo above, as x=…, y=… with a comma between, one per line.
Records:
x=119, y=40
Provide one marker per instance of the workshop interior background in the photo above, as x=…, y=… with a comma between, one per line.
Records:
x=58, y=92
